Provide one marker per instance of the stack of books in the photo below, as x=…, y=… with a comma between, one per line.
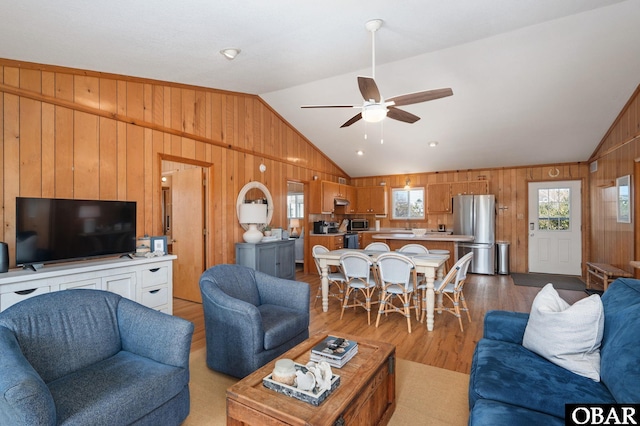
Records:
x=334, y=350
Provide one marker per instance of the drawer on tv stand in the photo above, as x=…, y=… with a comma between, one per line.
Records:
x=155, y=276
x=11, y=298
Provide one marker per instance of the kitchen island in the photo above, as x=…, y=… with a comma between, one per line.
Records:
x=432, y=241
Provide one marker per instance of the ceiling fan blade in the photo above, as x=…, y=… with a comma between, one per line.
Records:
x=417, y=97
x=369, y=89
x=331, y=106
x=352, y=120
x=401, y=115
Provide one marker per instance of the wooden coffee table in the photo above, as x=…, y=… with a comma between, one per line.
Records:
x=366, y=394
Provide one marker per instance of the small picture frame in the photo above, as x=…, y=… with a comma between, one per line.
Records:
x=277, y=232
x=159, y=244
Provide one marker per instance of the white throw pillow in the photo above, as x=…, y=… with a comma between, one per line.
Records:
x=567, y=335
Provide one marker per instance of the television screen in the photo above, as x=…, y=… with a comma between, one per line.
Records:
x=56, y=230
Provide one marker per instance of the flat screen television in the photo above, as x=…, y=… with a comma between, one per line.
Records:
x=58, y=230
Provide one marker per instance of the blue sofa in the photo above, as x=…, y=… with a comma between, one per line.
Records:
x=512, y=385
x=92, y=357
x=251, y=318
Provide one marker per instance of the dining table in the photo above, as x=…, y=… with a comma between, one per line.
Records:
x=431, y=265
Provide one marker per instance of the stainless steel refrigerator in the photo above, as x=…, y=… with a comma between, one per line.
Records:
x=476, y=215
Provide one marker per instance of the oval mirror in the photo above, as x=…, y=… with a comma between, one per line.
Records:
x=255, y=192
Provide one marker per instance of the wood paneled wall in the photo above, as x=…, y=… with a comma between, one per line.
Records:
x=510, y=186
x=616, y=243
x=71, y=133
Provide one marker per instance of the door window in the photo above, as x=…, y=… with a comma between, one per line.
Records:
x=554, y=208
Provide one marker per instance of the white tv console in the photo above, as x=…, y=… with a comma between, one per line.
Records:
x=148, y=281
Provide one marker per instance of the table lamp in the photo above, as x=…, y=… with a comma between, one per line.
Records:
x=294, y=225
x=253, y=215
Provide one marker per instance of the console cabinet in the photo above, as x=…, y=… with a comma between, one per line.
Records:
x=146, y=281
x=276, y=258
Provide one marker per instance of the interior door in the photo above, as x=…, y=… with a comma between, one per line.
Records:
x=555, y=227
x=187, y=193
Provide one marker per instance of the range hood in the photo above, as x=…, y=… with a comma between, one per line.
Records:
x=341, y=202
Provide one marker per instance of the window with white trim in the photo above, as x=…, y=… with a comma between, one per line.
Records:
x=407, y=204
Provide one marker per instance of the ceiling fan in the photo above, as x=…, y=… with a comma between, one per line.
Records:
x=375, y=108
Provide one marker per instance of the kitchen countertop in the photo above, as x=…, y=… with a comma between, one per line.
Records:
x=389, y=231
x=427, y=237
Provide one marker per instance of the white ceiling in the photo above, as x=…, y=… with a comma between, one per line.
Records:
x=534, y=81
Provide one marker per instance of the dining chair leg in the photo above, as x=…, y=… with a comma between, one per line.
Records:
x=456, y=310
x=407, y=310
x=382, y=309
x=464, y=306
x=346, y=300
x=416, y=305
x=318, y=295
x=424, y=304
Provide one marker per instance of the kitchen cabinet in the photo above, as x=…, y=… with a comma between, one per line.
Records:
x=316, y=197
x=350, y=193
x=478, y=187
x=276, y=258
x=439, y=198
x=439, y=194
x=330, y=241
x=371, y=200
x=330, y=190
x=323, y=193
x=459, y=188
x=366, y=238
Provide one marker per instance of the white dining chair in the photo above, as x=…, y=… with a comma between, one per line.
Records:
x=447, y=264
x=450, y=287
x=336, y=278
x=413, y=248
x=397, y=274
x=357, y=270
x=378, y=246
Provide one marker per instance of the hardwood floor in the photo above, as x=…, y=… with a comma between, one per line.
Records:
x=445, y=347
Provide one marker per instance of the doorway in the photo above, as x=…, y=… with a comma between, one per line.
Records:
x=295, y=218
x=184, y=189
x=555, y=227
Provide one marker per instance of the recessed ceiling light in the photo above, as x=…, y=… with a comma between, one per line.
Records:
x=360, y=152
x=433, y=144
x=230, y=53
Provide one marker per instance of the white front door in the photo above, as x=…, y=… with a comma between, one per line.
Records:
x=555, y=227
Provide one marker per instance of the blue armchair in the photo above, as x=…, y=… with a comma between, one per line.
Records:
x=92, y=357
x=251, y=317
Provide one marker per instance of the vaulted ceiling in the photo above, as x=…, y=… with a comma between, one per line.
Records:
x=534, y=81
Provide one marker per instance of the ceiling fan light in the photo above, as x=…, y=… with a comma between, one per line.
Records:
x=374, y=113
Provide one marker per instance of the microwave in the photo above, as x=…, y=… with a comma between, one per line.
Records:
x=358, y=225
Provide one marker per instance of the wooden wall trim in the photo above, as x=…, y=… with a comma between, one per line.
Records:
x=482, y=172
x=141, y=123
x=595, y=155
x=614, y=148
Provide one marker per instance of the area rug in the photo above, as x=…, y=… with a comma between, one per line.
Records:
x=560, y=282
x=425, y=395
